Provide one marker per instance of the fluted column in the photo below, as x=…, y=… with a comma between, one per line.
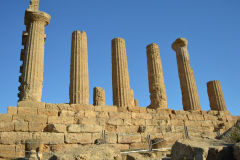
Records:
x=215, y=95
x=157, y=88
x=98, y=96
x=33, y=56
x=79, y=80
x=190, y=97
x=122, y=96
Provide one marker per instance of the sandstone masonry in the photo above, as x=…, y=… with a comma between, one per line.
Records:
x=98, y=96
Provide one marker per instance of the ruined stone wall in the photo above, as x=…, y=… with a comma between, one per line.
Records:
x=61, y=126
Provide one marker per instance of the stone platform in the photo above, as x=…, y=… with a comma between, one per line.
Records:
x=64, y=126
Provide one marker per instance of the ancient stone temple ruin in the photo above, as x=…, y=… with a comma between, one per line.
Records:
x=34, y=126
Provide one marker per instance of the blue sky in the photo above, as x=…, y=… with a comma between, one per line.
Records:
x=211, y=27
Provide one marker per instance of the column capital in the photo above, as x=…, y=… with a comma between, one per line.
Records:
x=36, y=16
x=179, y=43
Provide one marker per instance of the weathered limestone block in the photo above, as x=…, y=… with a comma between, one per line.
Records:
x=82, y=138
x=90, y=114
x=129, y=138
x=6, y=126
x=32, y=73
x=215, y=96
x=49, y=138
x=31, y=104
x=26, y=111
x=6, y=117
x=120, y=77
x=115, y=121
x=157, y=88
x=190, y=97
x=57, y=128
x=79, y=80
x=7, y=151
x=36, y=127
x=83, y=128
x=98, y=96
x=31, y=118
x=111, y=138
x=60, y=120
x=136, y=102
x=20, y=126
x=47, y=112
x=14, y=137
x=127, y=129
x=12, y=110
x=141, y=115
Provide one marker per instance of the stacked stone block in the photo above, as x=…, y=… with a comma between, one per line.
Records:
x=215, y=95
x=63, y=125
x=190, y=98
x=79, y=80
x=98, y=96
x=122, y=96
x=157, y=88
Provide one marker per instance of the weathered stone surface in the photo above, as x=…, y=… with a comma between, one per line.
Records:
x=48, y=112
x=92, y=152
x=12, y=110
x=82, y=128
x=129, y=138
x=36, y=127
x=7, y=151
x=58, y=128
x=60, y=120
x=190, y=97
x=26, y=111
x=31, y=118
x=6, y=126
x=79, y=80
x=49, y=138
x=200, y=149
x=32, y=70
x=98, y=96
x=215, y=96
x=6, y=117
x=20, y=126
x=157, y=88
x=120, y=76
x=14, y=137
x=82, y=138
x=31, y=104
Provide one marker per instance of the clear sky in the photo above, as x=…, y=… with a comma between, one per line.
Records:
x=212, y=28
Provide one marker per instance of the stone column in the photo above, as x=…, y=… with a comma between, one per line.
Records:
x=98, y=96
x=33, y=56
x=120, y=77
x=157, y=88
x=215, y=96
x=79, y=80
x=190, y=97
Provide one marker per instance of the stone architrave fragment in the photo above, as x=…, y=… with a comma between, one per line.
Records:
x=190, y=98
x=98, y=96
x=157, y=88
x=122, y=96
x=215, y=95
x=79, y=80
